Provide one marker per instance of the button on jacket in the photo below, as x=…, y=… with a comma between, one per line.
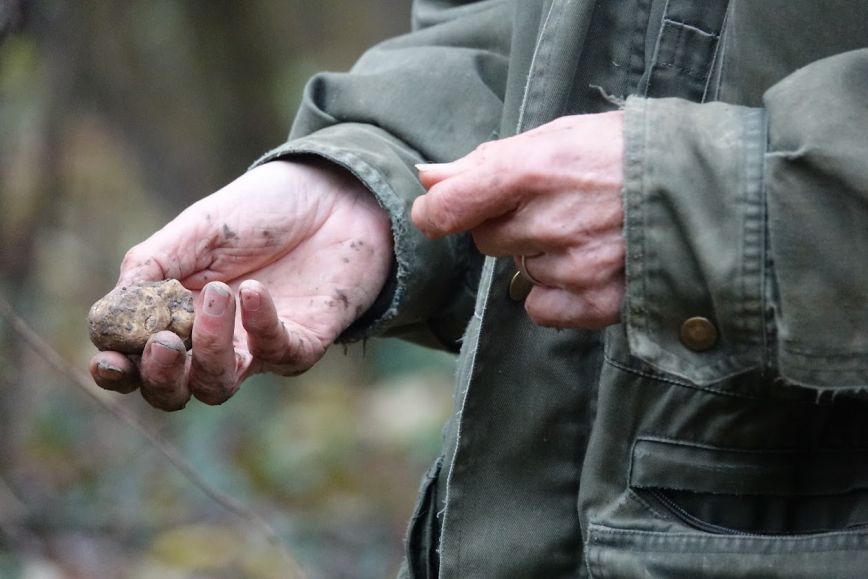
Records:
x=721, y=430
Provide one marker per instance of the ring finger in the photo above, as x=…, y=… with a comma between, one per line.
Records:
x=577, y=269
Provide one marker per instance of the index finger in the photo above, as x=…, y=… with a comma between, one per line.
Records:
x=463, y=201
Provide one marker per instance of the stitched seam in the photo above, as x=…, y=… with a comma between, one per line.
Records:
x=487, y=274
x=680, y=442
x=690, y=72
x=818, y=372
x=531, y=69
x=644, y=374
x=485, y=292
x=656, y=49
x=592, y=560
x=723, y=59
x=638, y=223
x=767, y=322
x=753, y=237
x=733, y=538
x=637, y=55
x=691, y=27
x=667, y=380
x=718, y=53
x=801, y=351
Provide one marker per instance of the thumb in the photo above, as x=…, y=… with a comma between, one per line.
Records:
x=139, y=266
x=156, y=258
x=171, y=252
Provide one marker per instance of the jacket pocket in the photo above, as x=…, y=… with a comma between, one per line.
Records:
x=727, y=513
x=423, y=534
x=685, y=49
x=696, y=302
x=619, y=553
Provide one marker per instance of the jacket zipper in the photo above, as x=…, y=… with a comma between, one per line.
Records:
x=700, y=525
x=692, y=521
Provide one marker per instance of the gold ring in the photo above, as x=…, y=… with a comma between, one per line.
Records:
x=523, y=269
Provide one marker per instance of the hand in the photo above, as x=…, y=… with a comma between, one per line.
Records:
x=306, y=249
x=552, y=194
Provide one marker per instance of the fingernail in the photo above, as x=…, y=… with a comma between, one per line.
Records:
x=428, y=166
x=215, y=301
x=164, y=355
x=250, y=299
x=108, y=372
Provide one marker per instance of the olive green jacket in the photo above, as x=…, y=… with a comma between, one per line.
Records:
x=735, y=445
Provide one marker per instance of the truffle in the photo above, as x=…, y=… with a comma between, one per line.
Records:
x=125, y=318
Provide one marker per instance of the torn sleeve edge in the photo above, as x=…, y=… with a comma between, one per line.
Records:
x=386, y=306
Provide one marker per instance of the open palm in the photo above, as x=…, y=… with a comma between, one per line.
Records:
x=305, y=248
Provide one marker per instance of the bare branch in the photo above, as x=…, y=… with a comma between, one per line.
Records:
x=83, y=382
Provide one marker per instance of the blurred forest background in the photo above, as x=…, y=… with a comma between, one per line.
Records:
x=113, y=117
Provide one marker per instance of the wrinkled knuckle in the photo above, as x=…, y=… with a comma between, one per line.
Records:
x=306, y=354
x=160, y=382
x=585, y=242
x=601, y=310
x=585, y=278
x=256, y=323
x=611, y=259
x=273, y=334
x=208, y=373
x=208, y=344
x=550, y=238
x=261, y=325
x=593, y=270
x=442, y=213
x=528, y=180
x=507, y=181
x=540, y=314
x=267, y=351
x=485, y=150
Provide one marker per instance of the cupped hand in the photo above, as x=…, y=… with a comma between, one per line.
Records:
x=304, y=248
x=553, y=195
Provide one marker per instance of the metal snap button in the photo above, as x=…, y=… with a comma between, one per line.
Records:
x=699, y=334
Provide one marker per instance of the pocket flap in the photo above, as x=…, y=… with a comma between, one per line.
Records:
x=677, y=465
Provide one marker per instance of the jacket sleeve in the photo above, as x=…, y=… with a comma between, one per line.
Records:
x=756, y=219
x=432, y=95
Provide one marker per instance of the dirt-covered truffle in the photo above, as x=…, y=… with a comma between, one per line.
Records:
x=125, y=318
